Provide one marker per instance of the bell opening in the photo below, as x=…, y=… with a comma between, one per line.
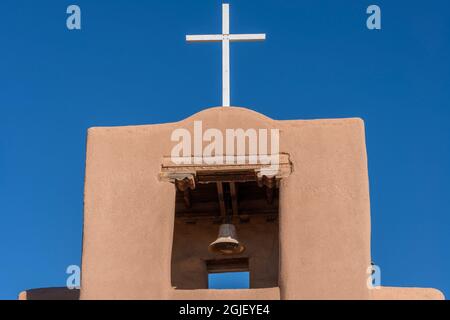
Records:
x=208, y=240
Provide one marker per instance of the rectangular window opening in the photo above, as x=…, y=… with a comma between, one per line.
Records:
x=229, y=280
x=228, y=274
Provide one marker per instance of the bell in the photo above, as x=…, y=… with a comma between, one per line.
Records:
x=227, y=242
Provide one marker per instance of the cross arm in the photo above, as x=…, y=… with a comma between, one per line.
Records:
x=247, y=37
x=204, y=38
x=221, y=37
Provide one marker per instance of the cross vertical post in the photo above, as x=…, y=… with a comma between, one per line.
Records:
x=226, y=38
x=226, y=55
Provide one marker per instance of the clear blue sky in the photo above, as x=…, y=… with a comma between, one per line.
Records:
x=130, y=65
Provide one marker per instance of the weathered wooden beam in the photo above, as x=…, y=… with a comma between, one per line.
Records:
x=269, y=216
x=269, y=195
x=223, y=211
x=234, y=199
x=188, y=167
x=187, y=198
x=184, y=184
x=226, y=176
x=269, y=183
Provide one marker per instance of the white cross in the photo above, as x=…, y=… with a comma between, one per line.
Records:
x=226, y=38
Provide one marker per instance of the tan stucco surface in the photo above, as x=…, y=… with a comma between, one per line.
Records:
x=254, y=294
x=50, y=294
x=390, y=293
x=324, y=223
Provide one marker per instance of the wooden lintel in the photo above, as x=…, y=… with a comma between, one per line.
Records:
x=226, y=176
x=200, y=169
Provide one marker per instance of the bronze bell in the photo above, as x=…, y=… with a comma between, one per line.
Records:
x=227, y=242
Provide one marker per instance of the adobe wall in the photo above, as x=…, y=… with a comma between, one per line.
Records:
x=391, y=293
x=324, y=223
x=50, y=294
x=254, y=294
x=324, y=209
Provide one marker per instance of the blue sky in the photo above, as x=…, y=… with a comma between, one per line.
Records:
x=130, y=65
